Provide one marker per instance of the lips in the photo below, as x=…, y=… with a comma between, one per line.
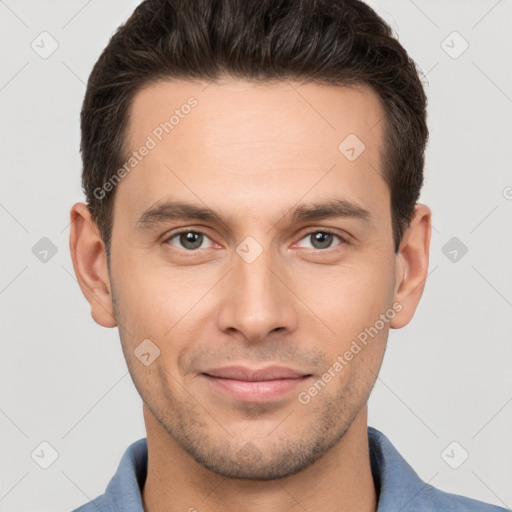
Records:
x=247, y=374
x=254, y=385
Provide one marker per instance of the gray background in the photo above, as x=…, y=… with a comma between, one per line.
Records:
x=446, y=377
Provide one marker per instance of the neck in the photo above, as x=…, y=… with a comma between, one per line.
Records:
x=340, y=481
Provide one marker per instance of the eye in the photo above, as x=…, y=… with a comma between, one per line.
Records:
x=321, y=239
x=189, y=240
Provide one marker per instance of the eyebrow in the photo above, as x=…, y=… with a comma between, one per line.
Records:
x=178, y=210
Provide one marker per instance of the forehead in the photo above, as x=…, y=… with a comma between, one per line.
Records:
x=256, y=142
x=232, y=111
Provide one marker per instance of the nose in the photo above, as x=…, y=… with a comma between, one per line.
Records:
x=257, y=298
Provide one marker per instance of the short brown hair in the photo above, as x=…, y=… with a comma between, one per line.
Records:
x=336, y=42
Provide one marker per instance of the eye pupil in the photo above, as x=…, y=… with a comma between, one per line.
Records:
x=321, y=240
x=191, y=240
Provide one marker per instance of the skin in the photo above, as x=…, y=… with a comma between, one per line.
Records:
x=253, y=153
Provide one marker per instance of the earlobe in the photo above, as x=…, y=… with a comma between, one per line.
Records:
x=90, y=264
x=412, y=265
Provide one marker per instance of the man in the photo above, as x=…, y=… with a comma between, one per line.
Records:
x=252, y=171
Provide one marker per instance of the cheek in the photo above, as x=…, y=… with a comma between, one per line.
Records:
x=350, y=298
x=161, y=302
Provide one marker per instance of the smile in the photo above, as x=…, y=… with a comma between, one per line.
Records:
x=249, y=385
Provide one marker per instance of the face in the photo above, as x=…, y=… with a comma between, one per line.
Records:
x=249, y=303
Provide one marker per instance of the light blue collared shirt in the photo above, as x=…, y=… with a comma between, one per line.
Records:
x=399, y=488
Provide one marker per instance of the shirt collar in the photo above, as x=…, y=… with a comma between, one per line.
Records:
x=396, y=483
x=124, y=490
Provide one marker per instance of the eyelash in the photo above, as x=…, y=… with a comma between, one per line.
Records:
x=343, y=241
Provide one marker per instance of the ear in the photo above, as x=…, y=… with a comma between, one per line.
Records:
x=412, y=266
x=90, y=264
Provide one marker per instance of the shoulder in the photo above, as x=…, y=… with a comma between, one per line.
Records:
x=123, y=493
x=436, y=500
x=400, y=488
